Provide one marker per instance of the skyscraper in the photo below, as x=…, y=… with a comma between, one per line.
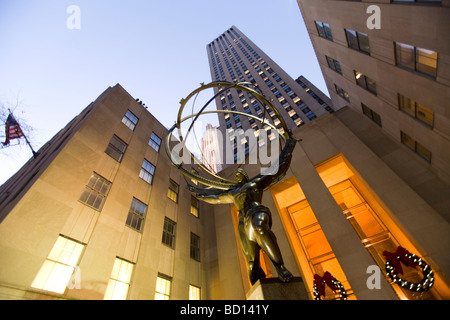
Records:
x=234, y=57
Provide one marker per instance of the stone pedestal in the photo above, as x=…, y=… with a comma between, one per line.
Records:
x=274, y=289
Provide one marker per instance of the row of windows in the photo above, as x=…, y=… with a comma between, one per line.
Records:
x=97, y=188
x=416, y=59
x=60, y=270
x=409, y=106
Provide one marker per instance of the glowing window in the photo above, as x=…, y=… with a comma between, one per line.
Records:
x=163, y=286
x=59, y=266
x=194, y=206
x=119, y=282
x=194, y=293
x=172, y=192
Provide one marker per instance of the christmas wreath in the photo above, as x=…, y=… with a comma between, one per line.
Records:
x=327, y=279
x=394, y=268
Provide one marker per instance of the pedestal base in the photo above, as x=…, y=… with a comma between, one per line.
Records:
x=274, y=289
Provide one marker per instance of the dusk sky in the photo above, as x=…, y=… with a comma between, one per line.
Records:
x=155, y=49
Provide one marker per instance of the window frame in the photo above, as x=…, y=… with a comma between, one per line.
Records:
x=358, y=45
x=144, y=173
x=169, y=236
x=92, y=189
x=411, y=109
x=117, y=277
x=114, y=148
x=154, y=143
x=53, y=265
x=166, y=281
x=136, y=218
x=173, y=191
x=414, y=64
x=325, y=28
x=130, y=120
x=195, y=247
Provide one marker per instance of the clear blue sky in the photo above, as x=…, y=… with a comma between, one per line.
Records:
x=155, y=49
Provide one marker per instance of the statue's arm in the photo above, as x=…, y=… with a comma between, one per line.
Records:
x=213, y=196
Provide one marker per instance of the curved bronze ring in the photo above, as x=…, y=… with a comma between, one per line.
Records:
x=222, y=183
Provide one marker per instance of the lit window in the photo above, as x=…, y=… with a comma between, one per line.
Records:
x=57, y=270
x=417, y=59
x=365, y=82
x=130, y=120
x=163, y=284
x=94, y=194
x=172, y=192
x=194, y=293
x=195, y=247
x=116, y=148
x=168, y=236
x=194, y=206
x=418, y=111
x=136, y=215
x=147, y=172
x=119, y=282
x=155, y=142
x=358, y=41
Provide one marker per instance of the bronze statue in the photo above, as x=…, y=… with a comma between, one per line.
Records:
x=255, y=220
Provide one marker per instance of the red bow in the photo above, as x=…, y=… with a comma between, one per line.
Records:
x=326, y=279
x=400, y=255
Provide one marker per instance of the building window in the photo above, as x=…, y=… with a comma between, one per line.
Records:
x=194, y=292
x=375, y=117
x=120, y=280
x=334, y=64
x=358, y=41
x=116, y=148
x=58, y=268
x=172, y=192
x=136, y=215
x=168, y=236
x=95, y=192
x=342, y=93
x=147, y=172
x=418, y=111
x=324, y=30
x=415, y=146
x=194, y=206
x=130, y=120
x=155, y=142
x=365, y=82
x=417, y=59
x=163, y=286
x=195, y=247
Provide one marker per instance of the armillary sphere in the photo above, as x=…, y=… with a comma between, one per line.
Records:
x=215, y=180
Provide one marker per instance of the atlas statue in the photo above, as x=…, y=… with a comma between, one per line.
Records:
x=255, y=219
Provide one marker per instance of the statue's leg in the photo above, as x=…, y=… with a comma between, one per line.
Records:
x=250, y=249
x=268, y=242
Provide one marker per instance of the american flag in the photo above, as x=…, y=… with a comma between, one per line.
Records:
x=12, y=130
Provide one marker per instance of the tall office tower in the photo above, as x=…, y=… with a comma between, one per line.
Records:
x=102, y=214
x=234, y=57
x=210, y=148
x=389, y=60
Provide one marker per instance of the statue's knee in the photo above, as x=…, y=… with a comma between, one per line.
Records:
x=261, y=222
